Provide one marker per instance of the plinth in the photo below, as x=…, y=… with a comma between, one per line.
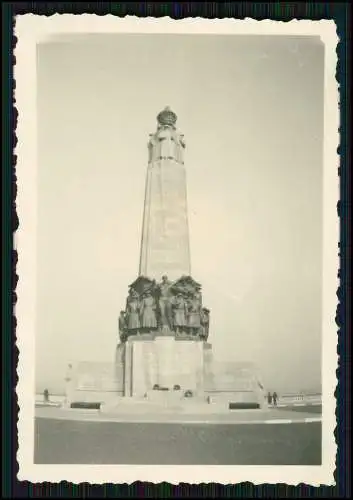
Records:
x=164, y=363
x=95, y=382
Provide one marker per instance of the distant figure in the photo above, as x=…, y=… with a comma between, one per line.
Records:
x=269, y=398
x=275, y=398
x=69, y=386
x=46, y=395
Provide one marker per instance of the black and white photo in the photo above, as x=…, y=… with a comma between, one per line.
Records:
x=177, y=186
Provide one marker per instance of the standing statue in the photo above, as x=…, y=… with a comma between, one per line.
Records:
x=198, y=295
x=122, y=326
x=148, y=311
x=133, y=311
x=180, y=313
x=165, y=302
x=205, y=323
x=194, y=316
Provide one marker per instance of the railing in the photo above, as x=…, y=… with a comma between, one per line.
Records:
x=300, y=399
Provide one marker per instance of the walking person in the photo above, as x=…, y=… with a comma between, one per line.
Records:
x=275, y=398
x=69, y=387
x=269, y=398
x=46, y=396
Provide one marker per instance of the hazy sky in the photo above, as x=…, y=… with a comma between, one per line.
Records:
x=251, y=109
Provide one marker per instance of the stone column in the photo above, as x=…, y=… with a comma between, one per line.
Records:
x=165, y=234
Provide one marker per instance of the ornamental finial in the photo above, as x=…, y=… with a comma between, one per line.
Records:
x=167, y=117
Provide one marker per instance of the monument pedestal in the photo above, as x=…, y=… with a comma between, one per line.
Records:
x=95, y=382
x=235, y=385
x=164, y=364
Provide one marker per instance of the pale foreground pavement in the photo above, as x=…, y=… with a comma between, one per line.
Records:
x=270, y=416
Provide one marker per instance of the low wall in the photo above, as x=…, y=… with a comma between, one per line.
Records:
x=241, y=397
x=285, y=399
x=86, y=396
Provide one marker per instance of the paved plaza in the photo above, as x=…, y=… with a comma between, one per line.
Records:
x=282, y=436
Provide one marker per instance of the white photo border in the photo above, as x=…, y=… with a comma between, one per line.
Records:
x=30, y=30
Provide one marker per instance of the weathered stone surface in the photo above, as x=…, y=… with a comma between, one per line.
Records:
x=234, y=382
x=208, y=367
x=165, y=234
x=96, y=382
x=163, y=362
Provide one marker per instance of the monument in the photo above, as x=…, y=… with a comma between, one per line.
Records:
x=164, y=325
x=163, y=353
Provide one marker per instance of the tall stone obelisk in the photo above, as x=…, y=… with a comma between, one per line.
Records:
x=165, y=235
x=164, y=326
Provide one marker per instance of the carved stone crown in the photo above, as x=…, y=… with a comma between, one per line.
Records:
x=167, y=117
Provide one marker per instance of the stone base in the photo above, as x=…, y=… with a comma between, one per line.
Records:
x=237, y=383
x=160, y=404
x=161, y=372
x=238, y=399
x=164, y=363
x=94, y=383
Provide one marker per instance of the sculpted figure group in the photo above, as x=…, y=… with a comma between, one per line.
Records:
x=165, y=307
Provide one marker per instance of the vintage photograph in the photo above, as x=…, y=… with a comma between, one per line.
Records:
x=178, y=288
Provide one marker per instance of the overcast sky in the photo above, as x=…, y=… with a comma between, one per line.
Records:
x=251, y=109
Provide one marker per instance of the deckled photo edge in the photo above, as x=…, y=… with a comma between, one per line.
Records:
x=24, y=74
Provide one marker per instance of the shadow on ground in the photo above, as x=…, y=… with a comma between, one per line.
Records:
x=317, y=409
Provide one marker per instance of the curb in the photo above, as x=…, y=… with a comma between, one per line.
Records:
x=116, y=419
x=308, y=420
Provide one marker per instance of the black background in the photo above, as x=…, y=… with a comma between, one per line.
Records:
x=282, y=11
